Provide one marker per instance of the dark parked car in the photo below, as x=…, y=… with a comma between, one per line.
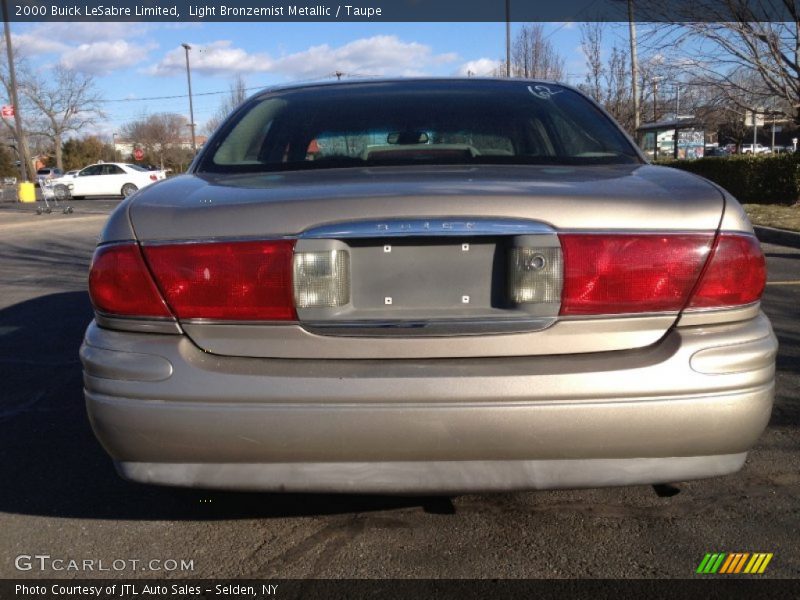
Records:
x=48, y=173
x=717, y=151
x=427, y=286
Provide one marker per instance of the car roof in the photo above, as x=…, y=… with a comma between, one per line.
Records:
x=420, y=83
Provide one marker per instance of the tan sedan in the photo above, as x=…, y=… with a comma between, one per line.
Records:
x=427, y=286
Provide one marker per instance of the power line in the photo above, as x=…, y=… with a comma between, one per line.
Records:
x=178, y=96
x=565, y=23
x=247, y=89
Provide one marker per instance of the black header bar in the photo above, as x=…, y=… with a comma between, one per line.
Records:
x=278, y=11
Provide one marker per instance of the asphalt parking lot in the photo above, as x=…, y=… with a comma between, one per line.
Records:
x=60, y=495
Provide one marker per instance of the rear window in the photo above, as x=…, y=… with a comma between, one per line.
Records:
x=441, y=122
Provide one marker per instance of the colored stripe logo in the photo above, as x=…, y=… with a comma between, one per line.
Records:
x=734, y=563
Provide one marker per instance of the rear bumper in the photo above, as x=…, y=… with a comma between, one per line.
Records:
x=432, y=477
x=688, y=407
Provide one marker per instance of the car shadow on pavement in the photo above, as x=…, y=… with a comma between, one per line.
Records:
x=780, y=303
x=51, y=464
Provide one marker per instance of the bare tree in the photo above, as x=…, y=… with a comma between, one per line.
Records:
x=607, y=81
x=591, y=45
x=67, y=101
x=619, y=96
x=717, y=41
x=21, y=146
x=533, y=56
x=236, y=95
x=163, y=135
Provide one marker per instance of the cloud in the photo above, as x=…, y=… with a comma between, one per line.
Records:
x=111, y=46
x=96, y=31
x=377, y=55
x=33, y=44
x=217, y=58
x=102, y=58
x=478, y=68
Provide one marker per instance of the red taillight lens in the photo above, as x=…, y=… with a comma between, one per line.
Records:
x=153, y=177
x=621, y=273
x=226, y=280
x=736, y=273
x=120, y=284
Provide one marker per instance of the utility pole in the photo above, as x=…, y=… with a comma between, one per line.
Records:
x=187, y=47
x=508, y=39
x=22, y=142
x=772, y=146
x=634, y=67
x=655, y=98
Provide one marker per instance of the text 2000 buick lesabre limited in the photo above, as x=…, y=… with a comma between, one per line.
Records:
x=427, y=286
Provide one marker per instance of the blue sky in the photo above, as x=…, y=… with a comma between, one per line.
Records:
x=135, y=61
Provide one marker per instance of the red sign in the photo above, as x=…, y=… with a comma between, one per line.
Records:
x=138, y=154
x=7, y=111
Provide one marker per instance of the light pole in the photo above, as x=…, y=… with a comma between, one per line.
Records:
x=114, y=141
x=508, y=39
x=634, y=68
x=187, y=47
x=12, y=76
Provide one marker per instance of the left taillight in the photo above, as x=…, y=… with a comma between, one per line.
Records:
x=630, y=273
x=735, y=275
x=120, y=283
x=239, y=281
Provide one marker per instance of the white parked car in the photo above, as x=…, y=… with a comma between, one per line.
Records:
x=106, y=179
x=748, y=149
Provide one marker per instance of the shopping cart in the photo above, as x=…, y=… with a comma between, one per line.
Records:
x=49, y=197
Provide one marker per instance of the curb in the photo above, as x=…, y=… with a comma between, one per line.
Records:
x=781, y=237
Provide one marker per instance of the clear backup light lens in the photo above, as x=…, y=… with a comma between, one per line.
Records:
x=535, y=275
x=321, y=279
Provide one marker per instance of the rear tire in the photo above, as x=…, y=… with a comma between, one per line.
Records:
x=129, y=189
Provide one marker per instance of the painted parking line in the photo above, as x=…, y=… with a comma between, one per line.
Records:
x=783, y=283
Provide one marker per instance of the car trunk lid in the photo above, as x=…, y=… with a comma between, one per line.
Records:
x=430, y=254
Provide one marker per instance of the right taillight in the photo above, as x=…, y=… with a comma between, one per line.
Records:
x=120, y=284
x=237, y=281
x=735, y=275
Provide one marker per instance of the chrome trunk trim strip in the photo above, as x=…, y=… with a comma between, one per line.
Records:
x=438, y=227
x=427, y=327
